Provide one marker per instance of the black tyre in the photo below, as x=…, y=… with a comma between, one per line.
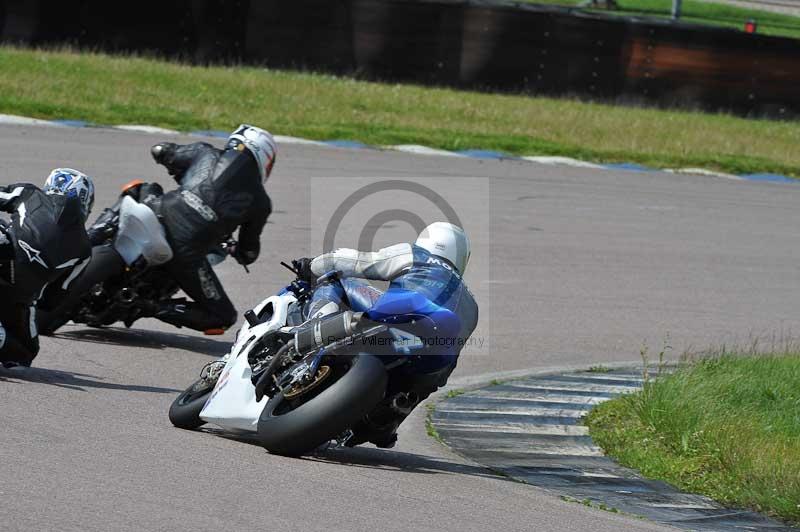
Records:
x=292, y=430
x=105, y=263
x=47, y=323
x=184, y=412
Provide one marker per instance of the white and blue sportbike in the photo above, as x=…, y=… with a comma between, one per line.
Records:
x=296, y=383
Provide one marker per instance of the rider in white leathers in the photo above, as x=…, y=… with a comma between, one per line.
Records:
x=431, y=267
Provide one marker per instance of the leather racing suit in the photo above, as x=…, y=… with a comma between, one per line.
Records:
x=219, y=190
x=43, y=248
x=407, y=267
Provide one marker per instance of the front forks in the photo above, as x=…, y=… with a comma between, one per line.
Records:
x=212, y=370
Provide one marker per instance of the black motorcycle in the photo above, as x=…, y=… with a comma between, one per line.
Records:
x=125, y=277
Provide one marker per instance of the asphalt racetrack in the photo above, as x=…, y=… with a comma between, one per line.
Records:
x=578, y=267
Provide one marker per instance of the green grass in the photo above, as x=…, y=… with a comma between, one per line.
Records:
x=727, y=427
x=590, y=504
x=116, y=90
x=430, y=428
x=769, y=23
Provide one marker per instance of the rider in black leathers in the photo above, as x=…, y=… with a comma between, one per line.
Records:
x=219, y=190
x=43, y=247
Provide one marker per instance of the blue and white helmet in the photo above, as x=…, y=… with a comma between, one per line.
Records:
x=69, y=182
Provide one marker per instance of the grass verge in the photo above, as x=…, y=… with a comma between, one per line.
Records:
x=124, y=90
x=727, y=427
x=430, y=428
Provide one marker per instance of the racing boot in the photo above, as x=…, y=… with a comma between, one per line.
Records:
x=143, y=309
x=163, y=151
x=182, y=313
x=385, y=441
x=381, y=433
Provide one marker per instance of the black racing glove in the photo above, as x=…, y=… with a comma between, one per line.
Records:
x=100, y=233
x=243, y=256
x=105, y=227
x=303, y=267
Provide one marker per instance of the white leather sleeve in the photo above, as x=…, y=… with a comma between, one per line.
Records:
x=381, y=265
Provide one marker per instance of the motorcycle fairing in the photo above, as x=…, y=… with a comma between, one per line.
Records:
x=419, y=327
x=232, y=404
x=360, y=294
x=141, y=234
x=413, y=319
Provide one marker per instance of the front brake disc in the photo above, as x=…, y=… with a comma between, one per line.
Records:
x=296, y=391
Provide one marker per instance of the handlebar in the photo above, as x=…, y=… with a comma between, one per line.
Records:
x=229, y=247
x=333, y=275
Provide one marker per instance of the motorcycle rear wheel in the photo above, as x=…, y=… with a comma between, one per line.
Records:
x=105, y=263
x=47, y=323
x=295, y=429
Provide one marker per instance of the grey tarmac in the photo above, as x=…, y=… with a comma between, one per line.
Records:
x=586, y=267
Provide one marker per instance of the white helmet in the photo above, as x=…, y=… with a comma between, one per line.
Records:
x=260, y=143
x=69, y=182
x=447, y=241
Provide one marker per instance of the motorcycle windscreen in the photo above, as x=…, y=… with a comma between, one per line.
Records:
x=232, y=405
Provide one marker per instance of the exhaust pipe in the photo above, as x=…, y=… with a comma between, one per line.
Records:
x=404, y=403
x=326, y=330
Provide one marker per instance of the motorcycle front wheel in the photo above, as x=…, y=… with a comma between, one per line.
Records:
x=293, y=427
x=184, y=412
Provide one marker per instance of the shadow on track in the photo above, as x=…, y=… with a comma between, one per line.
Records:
x=71, y=381
x=390, y=460
x=374, y=458
x=147, y=339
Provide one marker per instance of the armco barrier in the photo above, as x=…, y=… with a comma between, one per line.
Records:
x=460, y=43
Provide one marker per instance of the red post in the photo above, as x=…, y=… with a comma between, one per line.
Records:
x=750, y=26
